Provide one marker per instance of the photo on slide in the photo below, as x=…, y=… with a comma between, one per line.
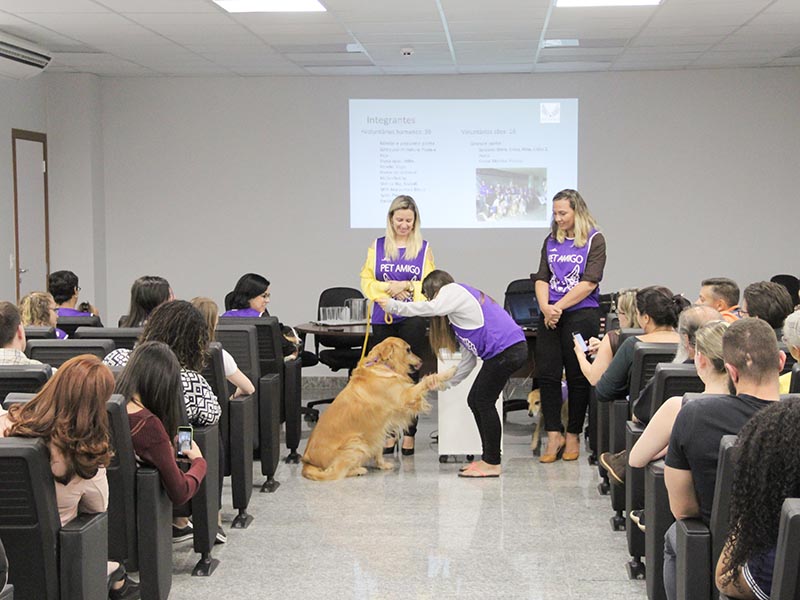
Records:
x=518, y=194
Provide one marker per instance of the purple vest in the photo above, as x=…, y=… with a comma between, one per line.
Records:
x=399, y=269
x=61, y=334
x=71, y=312
x=567, y=264
x=499, y=330
x=241, y=312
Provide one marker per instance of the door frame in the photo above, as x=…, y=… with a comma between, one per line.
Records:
x=31, y=136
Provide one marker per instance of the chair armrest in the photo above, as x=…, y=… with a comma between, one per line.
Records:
x=620, y=413
x=205, y=503
x=242, y=424
x=83, y=557
x=7, y=593
x=154, y=527
x=659, y=519
x=694, y=571
x=269, y=422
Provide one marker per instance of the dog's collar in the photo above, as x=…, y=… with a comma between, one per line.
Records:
x=378, y=363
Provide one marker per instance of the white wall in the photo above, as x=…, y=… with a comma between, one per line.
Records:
x=23, y=107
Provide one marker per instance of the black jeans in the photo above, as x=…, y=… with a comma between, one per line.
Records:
x=491, y=380
x=412, y=330
x=555, y=353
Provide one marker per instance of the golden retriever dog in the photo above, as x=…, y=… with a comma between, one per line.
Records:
x=380, y=399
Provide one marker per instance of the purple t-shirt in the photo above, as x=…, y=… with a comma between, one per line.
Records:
x=567, y=263
x=499, y=330
x=71, y=312
x=61, y=334
x=399, y=269
x=242, y=312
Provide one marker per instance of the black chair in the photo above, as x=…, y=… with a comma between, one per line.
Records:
x=37, y=332
x=669, y=380
x=46, y=561
x=659, y=519
x=271, y=360
x=6, y=589
x=791, y=283
x=520, y=302
x=794, y=385
x=23, y=378
x=56, y=352
x=786, y=574
x=241, y=342
x=699, y=546
x=123, y=337
x=646, y=356
x=236, y=426
x=339, y=352
x=139, y=511
x=70, y=324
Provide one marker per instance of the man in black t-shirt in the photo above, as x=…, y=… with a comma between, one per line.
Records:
x=754, y=362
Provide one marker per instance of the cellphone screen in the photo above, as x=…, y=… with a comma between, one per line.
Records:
x=581, y=342
x=184, y=441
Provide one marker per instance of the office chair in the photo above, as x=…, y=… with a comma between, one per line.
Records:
x=520, y=303
x=70, y=324
x=339, y=352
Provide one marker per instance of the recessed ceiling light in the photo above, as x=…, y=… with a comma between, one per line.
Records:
x=598, y=3
x=252, y=6
x=556, y=43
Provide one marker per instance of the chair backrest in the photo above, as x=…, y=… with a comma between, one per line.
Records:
x=520, y=302
x=123, y=337
x=786, y=575
x=37, y=332
x=790, y=282
x=29, y=521
x=122, y=533
x=56, y=352
x=70, y=324
x=241, y=342
x=335, y=296
x=794, y=385
x=23, y=378
x=627, y=332
x=673, y=380
x=645, y=358
x=721, y=507
x=268, y=339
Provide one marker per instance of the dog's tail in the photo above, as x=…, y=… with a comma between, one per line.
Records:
x=316, y=474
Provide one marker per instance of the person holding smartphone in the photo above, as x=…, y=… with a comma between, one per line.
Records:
x=572, y=261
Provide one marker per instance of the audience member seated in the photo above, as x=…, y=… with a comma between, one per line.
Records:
x=12, y=337
x=150, y=384
x=69, y=413
x=657, y=311
x=249, y=299
x=791, y=337
x=39, y=308
x=753, y=361
x=210, y=311
x=768, y=301
x=605, y=349
x=63, y=285
x=767, y=471
x=689, y=322
x=721, y=294
x=147, y=293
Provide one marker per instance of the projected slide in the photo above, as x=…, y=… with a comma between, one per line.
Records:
x=467, y=163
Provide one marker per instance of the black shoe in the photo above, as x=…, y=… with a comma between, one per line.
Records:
x=407, y=451
x=637, y=516
x=221, y=536
x=389, y=449
x=614, y=464
x=116, y=575
x=181, y=534
x=128, y=591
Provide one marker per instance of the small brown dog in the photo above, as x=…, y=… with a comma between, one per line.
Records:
x=379, y=399
x=535, y=408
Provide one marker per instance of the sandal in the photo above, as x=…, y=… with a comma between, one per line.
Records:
x=480, y=474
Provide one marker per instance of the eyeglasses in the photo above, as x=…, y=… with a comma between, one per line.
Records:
x=77, y=288
x=266, y=295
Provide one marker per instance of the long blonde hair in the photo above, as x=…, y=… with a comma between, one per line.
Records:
x=210, y=311
x=34, y=309
x=441, y=335
x=584, y=221
x=414, y=242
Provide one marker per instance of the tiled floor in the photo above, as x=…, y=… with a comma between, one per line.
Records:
x=538, y=532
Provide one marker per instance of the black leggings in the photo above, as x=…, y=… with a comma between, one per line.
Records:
x=555, y=353
x=412, y=330
x=488, y=385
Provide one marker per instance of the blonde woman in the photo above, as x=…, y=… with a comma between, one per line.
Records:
x=605, y=349
x=210, y=311
x=572, y=261
x=40, y=309
x=395, y=267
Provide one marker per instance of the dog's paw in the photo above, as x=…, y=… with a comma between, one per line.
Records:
x=357, y=471
x=384, y=465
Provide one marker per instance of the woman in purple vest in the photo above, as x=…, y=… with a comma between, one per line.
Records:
x=396, y=265
x=467, y=319
x=566, y=284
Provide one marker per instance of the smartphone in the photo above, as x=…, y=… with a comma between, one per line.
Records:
x=581, y=342
x=184, y=440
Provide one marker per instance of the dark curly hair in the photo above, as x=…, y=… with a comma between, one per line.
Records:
x=181, y=327
x=767, y=472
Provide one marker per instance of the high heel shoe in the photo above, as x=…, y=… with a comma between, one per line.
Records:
x=554, y=456
x=570, y=456
x=407, y=451
x=389, y=449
